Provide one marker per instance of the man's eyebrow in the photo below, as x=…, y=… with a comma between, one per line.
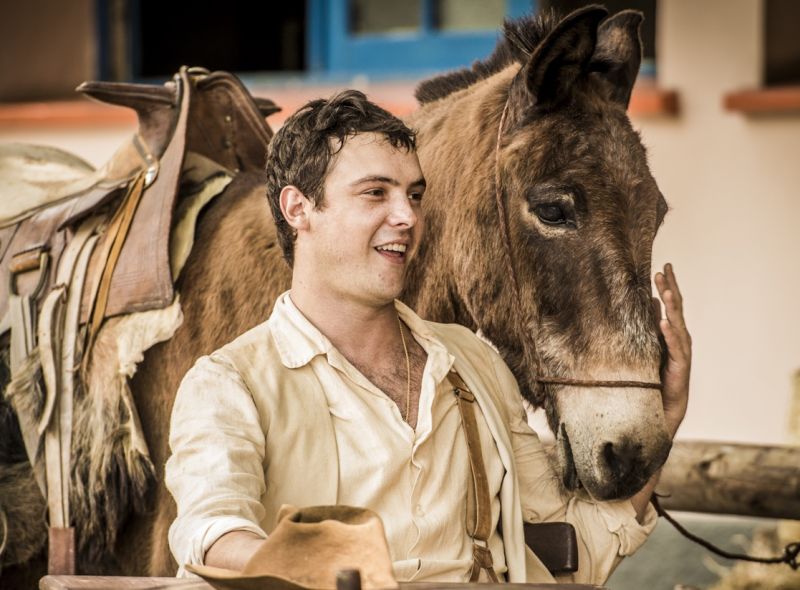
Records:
x=375, y=178
x=387, y=180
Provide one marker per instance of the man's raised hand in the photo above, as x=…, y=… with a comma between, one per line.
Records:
x=675, y=374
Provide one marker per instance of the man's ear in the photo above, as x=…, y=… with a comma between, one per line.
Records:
x=295, y=207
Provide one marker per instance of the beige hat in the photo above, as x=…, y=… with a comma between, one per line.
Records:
x=308, y=548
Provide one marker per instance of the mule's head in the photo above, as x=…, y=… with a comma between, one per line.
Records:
x=583, y=211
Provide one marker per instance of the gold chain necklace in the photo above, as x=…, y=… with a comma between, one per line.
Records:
x=408, y=369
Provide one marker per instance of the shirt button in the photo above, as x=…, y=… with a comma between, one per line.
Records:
x=419, y=510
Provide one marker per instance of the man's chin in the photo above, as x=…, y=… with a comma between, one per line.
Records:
x=390, y=288
x=372, y=296
x=388, y=296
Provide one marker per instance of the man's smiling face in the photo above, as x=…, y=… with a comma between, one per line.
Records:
x=369, y=226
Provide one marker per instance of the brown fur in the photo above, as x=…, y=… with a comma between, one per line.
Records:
x=25, y=391
x=23, y=527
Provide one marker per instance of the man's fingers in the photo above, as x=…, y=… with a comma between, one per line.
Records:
x=669, y=292
x=671, y=338
x=676, y=321
x=661, y=283
x=675, y=347
x=672, y=284
x=666, y=281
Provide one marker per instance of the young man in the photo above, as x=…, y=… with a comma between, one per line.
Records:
x=339, y=397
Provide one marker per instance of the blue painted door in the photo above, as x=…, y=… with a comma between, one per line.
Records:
x=391, y=38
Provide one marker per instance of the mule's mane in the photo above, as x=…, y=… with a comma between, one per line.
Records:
x=520, y=38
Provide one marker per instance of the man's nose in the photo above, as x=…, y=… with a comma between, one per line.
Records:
x=402, y=213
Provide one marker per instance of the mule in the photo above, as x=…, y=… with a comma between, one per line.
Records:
x=539, y=128
x=541, y=214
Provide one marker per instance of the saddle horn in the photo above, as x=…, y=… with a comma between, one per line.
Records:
x=143, y=97
x=154, y=105
x=139, y=97
x=266, y=106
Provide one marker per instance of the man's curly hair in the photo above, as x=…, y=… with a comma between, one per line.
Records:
x=301, y=152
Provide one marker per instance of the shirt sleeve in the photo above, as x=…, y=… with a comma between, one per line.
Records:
x=216, y=470
x=607, y=531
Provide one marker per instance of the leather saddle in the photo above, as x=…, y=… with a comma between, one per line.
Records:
x=79, y=245
x=47, y=193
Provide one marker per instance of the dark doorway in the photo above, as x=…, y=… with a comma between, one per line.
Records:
x=231, y=35
x=782, y=43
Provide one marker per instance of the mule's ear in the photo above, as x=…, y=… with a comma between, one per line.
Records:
x=563, y=56
x=618, y=54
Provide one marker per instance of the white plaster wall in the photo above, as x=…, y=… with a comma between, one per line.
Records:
x=734, y=230
x=95, y=144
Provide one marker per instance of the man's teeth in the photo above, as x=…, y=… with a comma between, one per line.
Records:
x=393, y=247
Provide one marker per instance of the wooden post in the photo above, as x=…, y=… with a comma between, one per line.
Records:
x=61, y=551
x=789, y=530
x=722, y=478
x=348, y=580
x=794, y=412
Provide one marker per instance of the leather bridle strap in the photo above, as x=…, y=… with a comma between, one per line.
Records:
x=509, y=258
x=479, y=502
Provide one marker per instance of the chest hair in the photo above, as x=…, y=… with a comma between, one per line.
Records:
x=390, y=376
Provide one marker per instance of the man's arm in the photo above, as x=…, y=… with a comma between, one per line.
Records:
x=233, y=550
x=215, y=472
x=675, y=377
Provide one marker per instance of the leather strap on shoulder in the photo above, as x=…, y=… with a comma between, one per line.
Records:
x=479, y=519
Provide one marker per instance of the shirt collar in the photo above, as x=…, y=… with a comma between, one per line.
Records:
x=298, y=340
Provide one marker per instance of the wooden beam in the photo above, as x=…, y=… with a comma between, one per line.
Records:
x=126, y=583
x=648, y=99
x=723, y=478
x=794, y=411
x=764, y=101
x=120, y=583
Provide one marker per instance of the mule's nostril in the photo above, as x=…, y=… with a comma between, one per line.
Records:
x=622, y=459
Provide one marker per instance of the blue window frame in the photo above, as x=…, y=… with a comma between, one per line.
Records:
x=334, y=49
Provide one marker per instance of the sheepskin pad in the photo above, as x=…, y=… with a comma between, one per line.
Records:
x=111, y=466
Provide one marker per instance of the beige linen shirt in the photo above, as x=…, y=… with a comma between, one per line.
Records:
x=280, y=416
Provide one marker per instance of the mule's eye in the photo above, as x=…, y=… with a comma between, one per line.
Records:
x=551, y=214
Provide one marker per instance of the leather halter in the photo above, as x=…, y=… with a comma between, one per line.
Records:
x=509, y=258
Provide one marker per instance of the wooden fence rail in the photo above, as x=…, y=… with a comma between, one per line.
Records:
x=726, y=478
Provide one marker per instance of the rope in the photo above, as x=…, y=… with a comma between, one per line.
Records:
x=789, y=557
x=590, y=383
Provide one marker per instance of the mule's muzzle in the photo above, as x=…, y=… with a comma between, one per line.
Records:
x=623, y=468
x=617, y=437
x=613, y=469
x=623, y=460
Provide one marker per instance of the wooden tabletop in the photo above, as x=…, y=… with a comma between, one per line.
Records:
x=125, y=583
x=120, y=583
